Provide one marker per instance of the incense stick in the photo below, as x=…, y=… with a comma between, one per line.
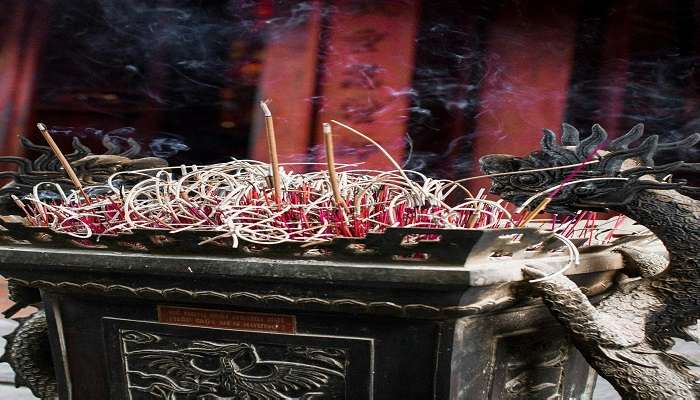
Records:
x=389, y=157
x=377, y=145
x=330, y=161
x=527, y=171
x=64, y=162
x=272, y=151
x=532, y=214
x=21, y=205
x=235, y=199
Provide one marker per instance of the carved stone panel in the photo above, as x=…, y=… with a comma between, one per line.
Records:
x=530, y=366
x=515, y=355
x=171, y=362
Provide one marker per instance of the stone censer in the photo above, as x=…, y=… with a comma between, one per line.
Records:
x=455, y=316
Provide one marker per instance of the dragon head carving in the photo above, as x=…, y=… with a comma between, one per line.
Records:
x=91, y=169
x=613, y=173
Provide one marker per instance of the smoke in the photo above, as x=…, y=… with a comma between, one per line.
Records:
x=167, y=146
x=174, y=55
x=181, y=54
x=160, y=144
x=658, y=94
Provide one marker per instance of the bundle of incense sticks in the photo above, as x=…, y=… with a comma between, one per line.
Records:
x=235, y=199
x=262, y=203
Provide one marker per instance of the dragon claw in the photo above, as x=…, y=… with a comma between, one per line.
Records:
x=642, y=263
x=532, y=272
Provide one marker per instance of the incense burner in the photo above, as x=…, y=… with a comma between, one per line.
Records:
x=155, y=314
x=134, y=324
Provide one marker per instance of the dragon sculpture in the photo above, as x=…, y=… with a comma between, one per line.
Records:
x=626, y=337
x=91, y=169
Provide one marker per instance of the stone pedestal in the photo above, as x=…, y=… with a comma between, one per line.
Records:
x=142, y=326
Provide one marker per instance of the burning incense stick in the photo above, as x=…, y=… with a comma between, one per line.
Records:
x=377, y=145
x=330, y=160
x=388, y=156
x=272, y=151
x=64, y=162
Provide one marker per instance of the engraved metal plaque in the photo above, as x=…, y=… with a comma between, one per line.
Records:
x=161, y=361
x=227, y=319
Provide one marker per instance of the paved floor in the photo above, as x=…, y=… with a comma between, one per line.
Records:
x=7, y=377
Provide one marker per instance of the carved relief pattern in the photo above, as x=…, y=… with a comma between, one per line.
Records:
x=354, y=305
x=534, y=367
x=90, y=168
x=171, y=368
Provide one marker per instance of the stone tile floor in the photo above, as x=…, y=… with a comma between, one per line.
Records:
x=7, y=386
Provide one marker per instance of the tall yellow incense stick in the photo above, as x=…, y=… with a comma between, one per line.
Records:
x=66, y=165
x=532, y=214
x=272, y=151
x=330, y=160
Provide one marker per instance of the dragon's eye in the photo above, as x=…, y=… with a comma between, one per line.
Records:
x=586, y=189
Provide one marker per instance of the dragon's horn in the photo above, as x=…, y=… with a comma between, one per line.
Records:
x=550, y=146
x=647, y=149
x=570, y=135
x=623, y=142
x=690, y=141
x=592, y=142
x=549, y=141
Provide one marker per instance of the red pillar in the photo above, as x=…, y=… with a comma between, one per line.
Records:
x=20, y=50
x=288, y=80
x=367, y=76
